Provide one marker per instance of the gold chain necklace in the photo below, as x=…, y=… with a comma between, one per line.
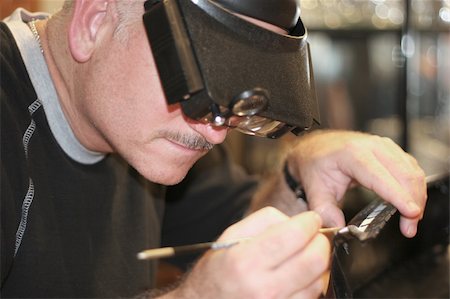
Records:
x=32, y=26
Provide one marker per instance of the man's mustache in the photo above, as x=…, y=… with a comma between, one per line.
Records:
x=191, y=141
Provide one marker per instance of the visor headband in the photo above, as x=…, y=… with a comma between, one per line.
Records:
x=281, y=13
x=225, y=70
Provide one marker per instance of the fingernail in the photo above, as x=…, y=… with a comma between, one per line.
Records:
x=411, y=231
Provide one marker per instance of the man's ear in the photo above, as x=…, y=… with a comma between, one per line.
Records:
x=87, y=19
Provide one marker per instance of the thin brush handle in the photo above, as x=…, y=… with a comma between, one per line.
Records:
x=164, y=252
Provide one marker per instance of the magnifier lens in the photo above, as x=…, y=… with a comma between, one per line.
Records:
x=241, y=116
x=250, y=102
x=259, y=126
x=251, y=125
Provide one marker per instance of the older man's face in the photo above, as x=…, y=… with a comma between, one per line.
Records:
x=125, y=103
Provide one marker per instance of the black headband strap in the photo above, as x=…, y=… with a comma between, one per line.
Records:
x=282, y=13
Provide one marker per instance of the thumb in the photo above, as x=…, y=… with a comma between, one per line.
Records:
x=331, y=214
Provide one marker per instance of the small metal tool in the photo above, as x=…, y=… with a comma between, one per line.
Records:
x=368, y=223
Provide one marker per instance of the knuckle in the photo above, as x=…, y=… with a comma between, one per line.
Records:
x=271, y=247
x=273, y=212
x=388, y=144
x=240, y=267
x=314, y=290
x=357, y=151
x=411, y=177
x=321, y=257
x=412, y=160
x=317, y=287
x=388, y=141
x=324, y=243
x=270, y=212
x=417, y=177
x=321, y=262
x=353, y=145
x=231, y=230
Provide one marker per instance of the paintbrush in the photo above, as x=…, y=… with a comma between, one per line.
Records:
x=365, y=225
x=165, y=252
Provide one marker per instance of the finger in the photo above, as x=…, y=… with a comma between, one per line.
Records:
x=305, y=267
x=380, y=180
x=422, y=194
x=420, y=181
x=324, y=200
x=370, y=173
x=254, y=224
x=314, y=290
x=412, y=179
x=408, y=226
x=327, y=207
x=280, y=241
x=405, y=169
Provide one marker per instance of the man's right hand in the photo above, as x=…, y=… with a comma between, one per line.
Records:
x=283, y=258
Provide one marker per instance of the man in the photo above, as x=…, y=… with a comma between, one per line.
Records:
x=85, y=120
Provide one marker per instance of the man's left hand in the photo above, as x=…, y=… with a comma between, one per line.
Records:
x=327, y=163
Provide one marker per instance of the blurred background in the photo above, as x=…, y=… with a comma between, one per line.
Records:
x=381, y=66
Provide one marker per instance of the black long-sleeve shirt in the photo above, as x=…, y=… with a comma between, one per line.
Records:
x=70, y=229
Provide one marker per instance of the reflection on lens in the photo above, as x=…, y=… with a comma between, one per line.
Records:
x=250, y=102
x=252, y=125
x=258, y=126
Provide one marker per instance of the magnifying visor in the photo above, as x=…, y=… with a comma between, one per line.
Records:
x=227, y=71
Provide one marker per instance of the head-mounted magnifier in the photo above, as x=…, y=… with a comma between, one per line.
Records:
x=228, y=71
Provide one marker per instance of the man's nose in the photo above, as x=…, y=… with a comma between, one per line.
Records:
x=213, y=134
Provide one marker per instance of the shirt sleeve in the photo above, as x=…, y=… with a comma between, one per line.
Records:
x=215, y=193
